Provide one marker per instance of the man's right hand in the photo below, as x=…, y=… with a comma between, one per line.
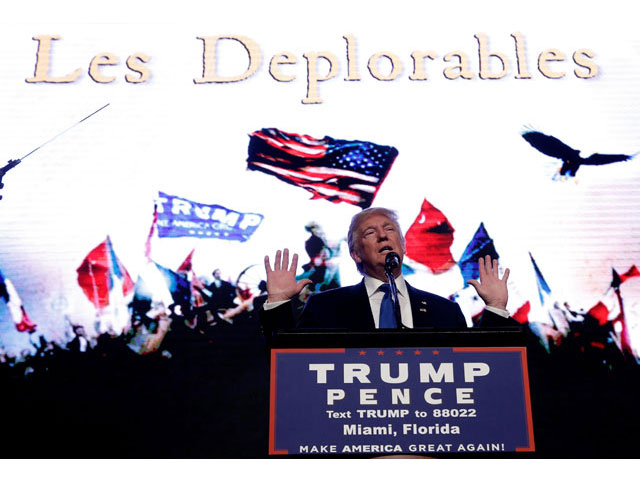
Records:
x=281, y=280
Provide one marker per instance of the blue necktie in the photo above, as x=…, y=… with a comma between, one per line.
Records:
x=387, y=313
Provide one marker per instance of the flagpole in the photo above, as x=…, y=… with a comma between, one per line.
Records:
x=147, y=243
x=96, y=298
x=63, y=132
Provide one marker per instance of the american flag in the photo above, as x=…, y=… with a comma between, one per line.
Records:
x=348, y=171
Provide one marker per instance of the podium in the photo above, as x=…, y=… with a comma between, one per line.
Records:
x=406, y=392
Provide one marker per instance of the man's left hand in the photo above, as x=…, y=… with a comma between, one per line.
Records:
x=491, y=288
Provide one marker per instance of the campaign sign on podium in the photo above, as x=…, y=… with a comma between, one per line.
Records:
x=399, y=400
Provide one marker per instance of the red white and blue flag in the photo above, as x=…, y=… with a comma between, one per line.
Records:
x=100, y=273
x=349, y=171
x=10, y=295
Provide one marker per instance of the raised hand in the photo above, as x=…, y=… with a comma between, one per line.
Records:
x=491, y=288
x=281, y=280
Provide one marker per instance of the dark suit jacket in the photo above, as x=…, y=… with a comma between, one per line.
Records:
x=348, y=308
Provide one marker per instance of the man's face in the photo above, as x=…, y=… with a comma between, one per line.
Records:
x=375, y=238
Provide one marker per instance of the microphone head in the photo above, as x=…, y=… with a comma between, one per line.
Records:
x=391, y=261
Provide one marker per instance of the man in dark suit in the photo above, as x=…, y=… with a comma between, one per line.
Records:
x=373, y=233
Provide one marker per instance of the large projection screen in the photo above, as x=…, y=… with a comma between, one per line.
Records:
x=177, y=95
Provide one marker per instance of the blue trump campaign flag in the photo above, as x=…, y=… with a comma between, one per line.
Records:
x=480, y=245
x=179, y=217
x=349, y=171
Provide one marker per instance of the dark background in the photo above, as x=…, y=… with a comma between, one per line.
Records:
x=210, y=400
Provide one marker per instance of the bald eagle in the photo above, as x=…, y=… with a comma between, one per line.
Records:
x=571, y=159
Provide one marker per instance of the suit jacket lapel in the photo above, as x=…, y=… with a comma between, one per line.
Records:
x=359, y=308
x=419, y=307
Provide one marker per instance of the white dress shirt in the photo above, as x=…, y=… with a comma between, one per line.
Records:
x=375, y=299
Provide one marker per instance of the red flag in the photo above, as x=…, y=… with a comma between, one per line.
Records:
x=632, y=272
x=97, y=274
x=25, y=325
x=600, y=312
x=522, y=314
x=187, y=265
x=429, y=239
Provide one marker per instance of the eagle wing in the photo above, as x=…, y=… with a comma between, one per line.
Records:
x=550, y=146
x=604, y=159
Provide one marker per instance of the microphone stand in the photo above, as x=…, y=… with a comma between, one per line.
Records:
x=393, y=290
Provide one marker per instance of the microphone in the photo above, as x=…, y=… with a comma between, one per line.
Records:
x=391, y=262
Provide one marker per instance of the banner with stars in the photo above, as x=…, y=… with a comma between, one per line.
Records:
x=382, y=401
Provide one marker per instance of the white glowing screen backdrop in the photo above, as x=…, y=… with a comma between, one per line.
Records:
x=452, y=88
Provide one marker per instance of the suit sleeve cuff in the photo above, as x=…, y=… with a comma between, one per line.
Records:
x=271, y=305
x=498, y=311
